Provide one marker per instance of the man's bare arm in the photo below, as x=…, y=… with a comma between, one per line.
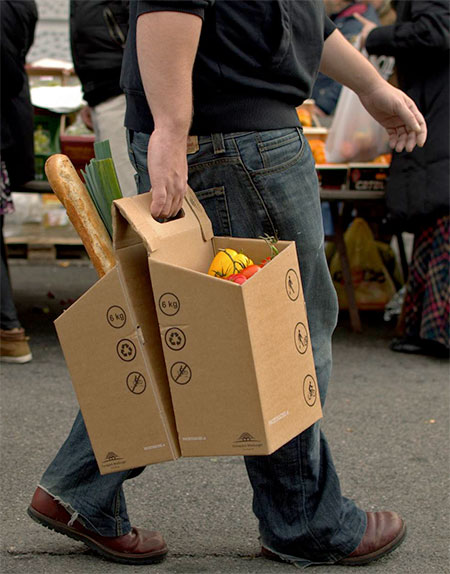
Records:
x=391, y=107
x=166, y=46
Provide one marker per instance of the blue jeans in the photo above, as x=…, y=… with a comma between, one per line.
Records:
x=249, y=184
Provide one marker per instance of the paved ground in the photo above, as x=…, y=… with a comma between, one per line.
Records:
x=386, y=419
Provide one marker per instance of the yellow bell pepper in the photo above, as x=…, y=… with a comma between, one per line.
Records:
x=227, y=262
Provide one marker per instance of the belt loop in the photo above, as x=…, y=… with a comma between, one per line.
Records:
x=218, y=143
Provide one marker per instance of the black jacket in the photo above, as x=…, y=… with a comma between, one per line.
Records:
x=418, y=189
x=17, y=25
x=256, y=61
x=98, y=31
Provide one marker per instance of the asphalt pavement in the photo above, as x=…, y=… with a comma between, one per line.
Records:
x=386, y=418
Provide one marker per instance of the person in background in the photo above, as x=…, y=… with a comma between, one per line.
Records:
x=418, y=189
x=385, y=12
x=326, y=91
x=17, y=22
x=212, y=90
x=98, y=31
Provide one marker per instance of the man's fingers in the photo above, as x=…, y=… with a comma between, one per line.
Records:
x=165, y=205
x=414, y=121
x=159, y=200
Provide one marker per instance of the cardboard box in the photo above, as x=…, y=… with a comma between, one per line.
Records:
x=238, y=360
x=316, y=133
x=111, y=343
x=368, y=176
x=332, y=176
x=238, y=357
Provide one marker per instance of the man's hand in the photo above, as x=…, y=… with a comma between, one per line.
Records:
x=167, y=164
x=86, y=116
x=368, y=26
x=398, y=114
x=391, y=107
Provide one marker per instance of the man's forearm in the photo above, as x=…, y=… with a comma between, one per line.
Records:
x=342, y=62
x=166, y=46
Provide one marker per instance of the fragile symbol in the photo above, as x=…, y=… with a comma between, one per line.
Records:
x=310, y=390
x=136, y=383
x=126, y=350
x=175, y=339
x=116, y=316
x=301, y=338
x=292, y=285
x=169, y=304
x=180, y=373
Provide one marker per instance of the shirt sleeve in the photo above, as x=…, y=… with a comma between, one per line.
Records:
x=196, y=7
x=329, y=27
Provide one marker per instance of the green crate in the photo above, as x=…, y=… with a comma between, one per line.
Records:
x=46, y=141
x=39, y=163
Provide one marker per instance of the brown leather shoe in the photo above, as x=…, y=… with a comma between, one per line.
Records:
x=139, y=546
x=384, y=533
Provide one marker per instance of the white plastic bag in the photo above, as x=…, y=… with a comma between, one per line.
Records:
x=354, y=134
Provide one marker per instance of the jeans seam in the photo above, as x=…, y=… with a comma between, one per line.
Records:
x=117, y=517
x=304, y=512
x=219, y=192
x=255, y=189
x=278, y=142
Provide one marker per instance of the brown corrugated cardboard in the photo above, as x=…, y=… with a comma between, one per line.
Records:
x=238, y=357
x=168, y=360
x=113, y=352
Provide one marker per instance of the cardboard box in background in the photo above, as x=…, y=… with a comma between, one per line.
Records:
x=238, y=357
x=368, y=176
x=168, y=360
x=332, y=176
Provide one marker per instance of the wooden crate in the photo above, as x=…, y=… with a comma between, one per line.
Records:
x=34, y=241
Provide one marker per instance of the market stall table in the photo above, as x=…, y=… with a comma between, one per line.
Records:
x=349, y=200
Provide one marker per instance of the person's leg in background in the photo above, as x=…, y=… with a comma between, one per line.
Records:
x=108, y=119
x=426, y=307
x=14, y=347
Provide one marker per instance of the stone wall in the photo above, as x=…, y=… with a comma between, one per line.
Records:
x=52, y=31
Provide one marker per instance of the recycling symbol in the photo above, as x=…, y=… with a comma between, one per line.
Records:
x=126, y=350
x=175, y=339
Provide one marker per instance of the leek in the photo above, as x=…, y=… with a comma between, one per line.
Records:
x=102, y=183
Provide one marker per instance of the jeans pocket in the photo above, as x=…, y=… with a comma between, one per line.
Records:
x=282, y=149
x=214, y=202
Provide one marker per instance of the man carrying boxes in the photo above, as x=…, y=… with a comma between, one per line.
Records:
x=253, y=172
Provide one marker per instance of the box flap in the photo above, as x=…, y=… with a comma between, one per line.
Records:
x=118, y=374
x=133, y=223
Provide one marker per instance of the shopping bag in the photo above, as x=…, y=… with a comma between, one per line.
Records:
x=372, y=283
x=354, y=135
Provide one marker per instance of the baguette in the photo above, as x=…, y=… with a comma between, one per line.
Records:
x=81, y=211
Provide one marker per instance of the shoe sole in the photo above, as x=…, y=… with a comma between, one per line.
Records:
x=358, y=560
x=23, y=359
x=104, y=552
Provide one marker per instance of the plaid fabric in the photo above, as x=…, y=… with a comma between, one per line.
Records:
x=6, y=203
x=427, y=301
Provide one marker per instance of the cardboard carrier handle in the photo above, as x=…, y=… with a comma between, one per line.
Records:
x=135, y=212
